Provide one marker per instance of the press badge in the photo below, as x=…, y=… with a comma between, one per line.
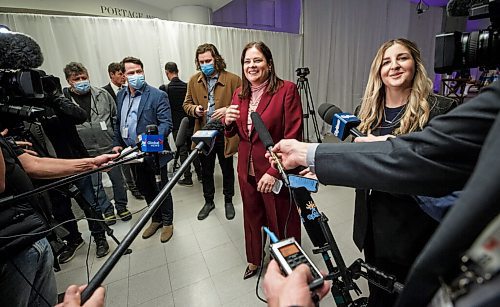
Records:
x=124, y=132
x=103, y=126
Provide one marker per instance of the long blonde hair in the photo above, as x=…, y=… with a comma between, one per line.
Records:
x=417, y=109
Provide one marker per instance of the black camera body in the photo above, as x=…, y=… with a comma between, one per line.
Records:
x=302, y=71
x=456, y=51
x=24, y=93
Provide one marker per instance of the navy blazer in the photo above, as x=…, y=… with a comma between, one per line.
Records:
x=154, y=108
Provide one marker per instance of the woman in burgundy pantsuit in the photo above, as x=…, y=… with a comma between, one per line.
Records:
x=278, y=103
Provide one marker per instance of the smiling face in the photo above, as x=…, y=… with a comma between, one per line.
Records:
x=255, y=66
x=398, y=67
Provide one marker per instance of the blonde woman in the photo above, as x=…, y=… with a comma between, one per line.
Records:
x=392, y=229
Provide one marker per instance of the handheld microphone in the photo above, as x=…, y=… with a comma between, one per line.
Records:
x=152, y=142
x=19, y=51
x=307, y=208
x=182, y=133
x=342, y=123
x=180, y=140
x=310, y=216
x=129, y=150
x=266, y=139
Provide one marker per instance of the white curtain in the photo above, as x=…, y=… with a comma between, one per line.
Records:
x=98, y=41
x=341, y=39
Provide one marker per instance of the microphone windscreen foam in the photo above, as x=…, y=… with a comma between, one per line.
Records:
x=19, y=51
x=327, y=110
x=261, y=129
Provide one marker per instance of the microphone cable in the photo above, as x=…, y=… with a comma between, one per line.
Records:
x=261, y=268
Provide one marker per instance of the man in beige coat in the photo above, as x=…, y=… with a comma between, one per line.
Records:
x=209, y=92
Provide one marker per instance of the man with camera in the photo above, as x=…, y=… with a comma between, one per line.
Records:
x=26, y=260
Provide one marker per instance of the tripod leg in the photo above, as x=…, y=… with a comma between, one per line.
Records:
x=89, y=212
x=312, y=111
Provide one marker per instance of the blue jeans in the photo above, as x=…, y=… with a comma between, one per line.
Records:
x=87, y=192
x=36, y=264
x=102, y=199
x=119, y=190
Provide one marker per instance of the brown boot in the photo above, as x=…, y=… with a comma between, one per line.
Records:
x=151, y=230
x=166, y=233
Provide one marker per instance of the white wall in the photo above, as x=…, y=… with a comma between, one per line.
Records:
x=192, y=13
x=341, y=39
x=97, y=41
x=113, y=8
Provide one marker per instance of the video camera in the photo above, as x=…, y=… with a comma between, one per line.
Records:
x=457, y=50
x=302, y=71
x=24, y=93
x=24, y=90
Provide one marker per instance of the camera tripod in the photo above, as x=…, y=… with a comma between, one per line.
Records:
x=305, y=93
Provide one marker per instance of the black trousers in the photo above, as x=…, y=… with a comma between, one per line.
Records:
x=146, y=183
x=129, y=176
x=208, y=168
x=61, y=210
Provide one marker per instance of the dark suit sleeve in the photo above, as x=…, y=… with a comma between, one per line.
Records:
x=436, y=161
x=163, y=115
x=473, y=211
x=117, y=139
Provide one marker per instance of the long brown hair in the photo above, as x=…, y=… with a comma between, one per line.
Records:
x=219, y=63
x=274, y=82
x=417, y=109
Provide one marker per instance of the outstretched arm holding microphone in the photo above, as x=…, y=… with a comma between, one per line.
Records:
x=436, y=161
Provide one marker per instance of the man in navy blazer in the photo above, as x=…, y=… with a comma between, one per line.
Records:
x=140, y=105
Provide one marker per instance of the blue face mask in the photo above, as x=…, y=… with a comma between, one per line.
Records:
x=82, y=87
x=136, y=81
x=207, y=69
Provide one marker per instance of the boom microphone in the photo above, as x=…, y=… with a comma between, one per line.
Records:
x=266, y=139
x=18, y=51
x=343, y=124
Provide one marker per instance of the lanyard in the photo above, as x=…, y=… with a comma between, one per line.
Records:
x=92, y=109
x=129, y=107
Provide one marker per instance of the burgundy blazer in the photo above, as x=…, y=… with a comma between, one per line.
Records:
x=282, y=116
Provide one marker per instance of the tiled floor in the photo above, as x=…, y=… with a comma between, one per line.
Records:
x=203, y=263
